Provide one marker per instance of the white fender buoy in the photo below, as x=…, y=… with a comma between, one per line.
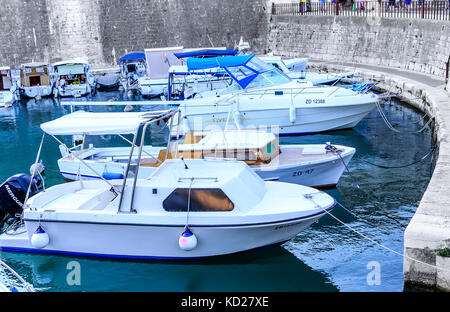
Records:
x=188, y=240
x=237, y=119
x=292, y=114
x=40, y=238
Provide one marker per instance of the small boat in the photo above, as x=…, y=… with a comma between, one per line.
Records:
x=313, y=165
x=107, y=79
x=133, y=73
x=293, y=65
x=73, y=79
x=304, y=75
x=262, y=96
x=296, y=64
x=7, y=88
x=182, y=210
x=35, y=80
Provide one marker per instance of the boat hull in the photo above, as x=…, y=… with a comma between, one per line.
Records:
x=307, y=120
x=153, y=241
x=74, y=90
x=36, y=92
x=322, y=173
x=319, y=174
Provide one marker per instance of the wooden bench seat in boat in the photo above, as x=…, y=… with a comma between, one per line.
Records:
x=251, y=147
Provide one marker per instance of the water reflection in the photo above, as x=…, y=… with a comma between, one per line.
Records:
x=273, y=269
x=327, y=256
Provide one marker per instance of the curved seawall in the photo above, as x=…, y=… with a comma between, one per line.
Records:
x=407, y=56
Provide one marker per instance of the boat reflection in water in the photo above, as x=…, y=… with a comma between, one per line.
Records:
x=271, y=269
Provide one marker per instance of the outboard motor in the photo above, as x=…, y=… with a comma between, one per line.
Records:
x=13, y=192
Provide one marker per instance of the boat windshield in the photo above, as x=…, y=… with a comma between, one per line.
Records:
x=267, y=79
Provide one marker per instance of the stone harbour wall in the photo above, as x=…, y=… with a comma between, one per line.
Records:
x=101, y=31
x=412, y=44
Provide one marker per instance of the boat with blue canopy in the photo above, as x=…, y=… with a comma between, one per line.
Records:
x=164, y=64
x=263, y=96
x=206, y=53
x=133, y=72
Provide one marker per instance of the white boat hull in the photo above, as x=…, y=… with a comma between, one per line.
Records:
x=74, y=90
x=161, y=242
x=36, y=92
x=307, y=120
x=322, y=173
x=319, y=174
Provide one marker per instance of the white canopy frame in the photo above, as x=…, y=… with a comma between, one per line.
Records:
x=133, y=122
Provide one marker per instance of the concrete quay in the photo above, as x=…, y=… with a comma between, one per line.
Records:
x=429, y=229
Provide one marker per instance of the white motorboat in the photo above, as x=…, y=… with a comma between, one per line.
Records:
x=263, y=97
x=293, y=65
x=182, y=210
x=304, y=75
x=314, y=165
x=7, y=88
x=107, y=78
x=296, y=64
x=133, y=73
x=184, y=84
x=73, y=79
x=35, y=80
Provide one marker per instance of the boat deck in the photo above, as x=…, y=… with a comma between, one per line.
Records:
x=83, y=199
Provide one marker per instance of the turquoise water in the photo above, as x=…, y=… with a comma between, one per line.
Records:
x=326, y=257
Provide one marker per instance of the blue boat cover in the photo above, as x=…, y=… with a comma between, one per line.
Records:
x=132, y=56
x=206, y=53
x=242, y=68
x=221, y=61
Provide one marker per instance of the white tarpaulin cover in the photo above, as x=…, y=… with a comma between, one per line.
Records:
x=89, y=123
x=160, y=60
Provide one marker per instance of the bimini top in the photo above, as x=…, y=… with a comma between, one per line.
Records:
x=206, y=53
x=88, y=123
x=132, y=56
x=242, y=68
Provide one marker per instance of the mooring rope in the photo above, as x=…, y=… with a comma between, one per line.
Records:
x=391, y=127
x=355, y=215
x=385, y=247
x=403, y=166
x=338, y=152
x=189, y=204
x=28, y=286
x=374, y=241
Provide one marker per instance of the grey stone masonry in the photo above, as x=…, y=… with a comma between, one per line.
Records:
x=412, y=44
x=101, y=31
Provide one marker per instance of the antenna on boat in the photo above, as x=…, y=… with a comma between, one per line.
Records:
x=185, y=166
